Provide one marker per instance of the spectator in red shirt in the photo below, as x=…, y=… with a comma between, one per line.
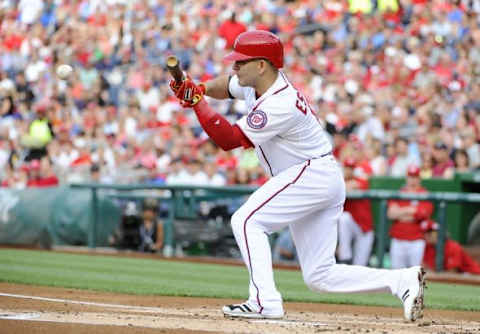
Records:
x=407, y=244
x=455, y=259
x=230, y=29
x=41, y=174
x=443, y=166
x=356, y=223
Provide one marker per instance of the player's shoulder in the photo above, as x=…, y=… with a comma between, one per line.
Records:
x=285, y=89
x=452, y=244
x=282, y=100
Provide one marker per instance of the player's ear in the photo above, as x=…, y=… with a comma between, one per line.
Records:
x=263, y=66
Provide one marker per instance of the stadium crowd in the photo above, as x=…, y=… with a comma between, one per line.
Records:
x=396, y=82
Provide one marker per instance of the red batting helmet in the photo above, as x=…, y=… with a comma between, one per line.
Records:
x=257, y=44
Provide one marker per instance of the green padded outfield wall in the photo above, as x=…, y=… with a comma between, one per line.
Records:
x=459, y=215
x=57, y=215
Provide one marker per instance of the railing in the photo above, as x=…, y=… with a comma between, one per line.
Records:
x=440, y=200
x=174, y=195
x=196, y=193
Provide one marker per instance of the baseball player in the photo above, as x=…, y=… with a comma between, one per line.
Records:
x=407, y=244
x=306, y=190
x=356, y=223
x=455, y=259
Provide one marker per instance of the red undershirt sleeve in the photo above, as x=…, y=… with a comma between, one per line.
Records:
x=219, y=129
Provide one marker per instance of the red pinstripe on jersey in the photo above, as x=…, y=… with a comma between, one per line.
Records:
x=251, y=214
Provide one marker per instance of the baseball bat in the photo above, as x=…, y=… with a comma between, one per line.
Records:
x=173, y=66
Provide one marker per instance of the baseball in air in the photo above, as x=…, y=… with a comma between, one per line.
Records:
x=64, y=71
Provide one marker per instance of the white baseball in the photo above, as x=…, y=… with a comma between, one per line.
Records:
x=64, y=71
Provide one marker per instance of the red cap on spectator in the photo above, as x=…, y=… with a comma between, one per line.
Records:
x=41, y=108
x=349, y=162
x=413, y=170
x=428, y=225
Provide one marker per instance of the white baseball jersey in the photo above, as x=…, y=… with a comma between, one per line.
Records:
x=281, y=125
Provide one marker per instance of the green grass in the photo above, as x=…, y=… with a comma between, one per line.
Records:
x=156, y=277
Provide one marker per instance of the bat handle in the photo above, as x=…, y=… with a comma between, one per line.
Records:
x=173, y=66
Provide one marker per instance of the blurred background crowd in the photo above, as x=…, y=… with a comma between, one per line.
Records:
x=396, y=83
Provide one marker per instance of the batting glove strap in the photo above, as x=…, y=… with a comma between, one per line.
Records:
x=188, y=92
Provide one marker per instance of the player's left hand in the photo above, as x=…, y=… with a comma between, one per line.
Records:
x=188, y=92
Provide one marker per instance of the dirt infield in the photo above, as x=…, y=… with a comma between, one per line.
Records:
x=33, y=309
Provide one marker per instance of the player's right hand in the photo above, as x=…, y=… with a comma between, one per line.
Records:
x=175, y=86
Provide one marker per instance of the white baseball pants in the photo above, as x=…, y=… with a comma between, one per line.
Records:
x=349, y=232
x=406, y=253
x=309, y=199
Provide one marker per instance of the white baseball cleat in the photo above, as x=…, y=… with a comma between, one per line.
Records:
x=246, y=310
x=412, y=296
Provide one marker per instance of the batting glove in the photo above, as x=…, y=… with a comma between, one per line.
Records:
x=188, y=92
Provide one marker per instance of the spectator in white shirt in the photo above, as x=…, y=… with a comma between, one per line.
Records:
x=370, y=125
x=402, y=158
x=30, y=10
x=177, y=173
x=471, y=147
x=148, y=97
x=195, y=174
x=214, y=178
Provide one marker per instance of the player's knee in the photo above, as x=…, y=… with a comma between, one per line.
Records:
x=237, y=221
x=313, y=283
x=345, y=217
x=316, y=280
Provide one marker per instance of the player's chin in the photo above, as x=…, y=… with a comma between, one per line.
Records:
x=243, y=83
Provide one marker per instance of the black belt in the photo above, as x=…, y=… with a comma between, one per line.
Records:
x=324, y=155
